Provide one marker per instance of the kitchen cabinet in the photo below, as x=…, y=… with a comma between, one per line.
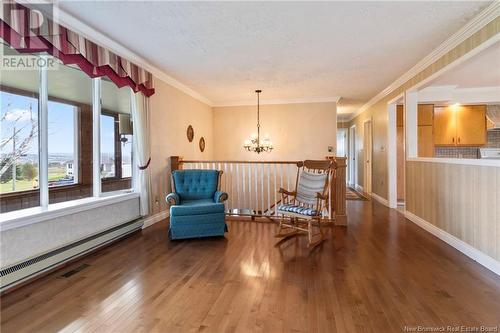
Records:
x=425, y=142
x=471, y=125
x=444, y=126
x=462, y=125
x=425, y=117
x=425, y=114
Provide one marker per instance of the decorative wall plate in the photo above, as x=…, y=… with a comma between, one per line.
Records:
x=202, y=144
x=190, y=133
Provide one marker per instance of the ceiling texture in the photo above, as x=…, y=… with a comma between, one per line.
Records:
x=293, y=51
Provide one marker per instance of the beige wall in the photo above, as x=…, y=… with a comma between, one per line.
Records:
x=171, y=113
x=452, y=197
x=298, y=131
x=462, y=200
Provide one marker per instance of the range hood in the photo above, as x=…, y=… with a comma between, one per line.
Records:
x=493, y=117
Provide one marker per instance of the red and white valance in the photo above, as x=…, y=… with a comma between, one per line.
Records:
x=19, y=27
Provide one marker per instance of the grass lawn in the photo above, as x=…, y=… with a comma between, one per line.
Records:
x=21, y=185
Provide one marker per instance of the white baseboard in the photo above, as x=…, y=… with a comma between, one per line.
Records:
x=473, y=253
x=383, y=201
x=152, y=219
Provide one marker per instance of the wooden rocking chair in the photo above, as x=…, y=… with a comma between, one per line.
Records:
x=302, y=209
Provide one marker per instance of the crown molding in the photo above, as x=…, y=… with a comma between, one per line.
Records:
x=478, y=22
x=334, y=99
x=97, y=37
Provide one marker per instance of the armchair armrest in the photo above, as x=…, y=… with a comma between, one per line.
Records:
x=321, y=196
x=173, y=199
x=286, y=192
x=220, y=196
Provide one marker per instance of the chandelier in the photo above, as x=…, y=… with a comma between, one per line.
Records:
x=255, y=143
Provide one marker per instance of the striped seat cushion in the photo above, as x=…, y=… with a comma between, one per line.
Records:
x=297, y=210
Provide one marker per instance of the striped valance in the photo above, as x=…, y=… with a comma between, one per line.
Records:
x=21, y=29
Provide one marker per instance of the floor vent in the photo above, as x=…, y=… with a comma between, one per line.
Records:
x=74, y=271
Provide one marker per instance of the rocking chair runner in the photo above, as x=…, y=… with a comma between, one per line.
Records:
x=302, y=209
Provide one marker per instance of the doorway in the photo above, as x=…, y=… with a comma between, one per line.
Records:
x=396, y=152
x=352, y=156
x=367, y=156
x=400, y=155
x=341, y=142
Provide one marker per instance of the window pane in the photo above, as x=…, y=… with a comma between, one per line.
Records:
x=127, y=157
x=116, y=137
x=70, y=134
x=62, y=149
x=108, y=142
x=19, y=155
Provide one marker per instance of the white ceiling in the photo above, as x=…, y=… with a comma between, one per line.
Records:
x=475, y=80
x=290, y=50
x=481, y=70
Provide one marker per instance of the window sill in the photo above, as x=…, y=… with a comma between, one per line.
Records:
x=460, y=161
x=23, y=217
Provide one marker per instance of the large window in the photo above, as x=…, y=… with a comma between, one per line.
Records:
x=19, y=135
x=108, y=146
x=19, y=148
x=63, y=149
x=69, y=134
x=48, y=152
x=116, y=137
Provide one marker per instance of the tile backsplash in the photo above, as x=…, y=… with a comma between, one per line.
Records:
x=493, y=139
x=468, y=152
x=456, y=152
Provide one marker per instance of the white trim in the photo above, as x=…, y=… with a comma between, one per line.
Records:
x=43, y=135
x=410, y=124
x=352, y=161
x=368, y=150
x=334, y=99
x=20, y=218
x=458, y=244
x=152, y=219
x=461, y=161
x=99, y=38
x=392, y=153
x=359, y=188
x=473, y=26
x=76, y=146
x=96, y=137
x=378, y=198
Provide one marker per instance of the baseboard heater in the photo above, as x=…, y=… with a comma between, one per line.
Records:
x=15, y=274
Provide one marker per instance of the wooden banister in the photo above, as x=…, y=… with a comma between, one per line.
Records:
x=338, y=191
x=253, y=185
x=181, y=161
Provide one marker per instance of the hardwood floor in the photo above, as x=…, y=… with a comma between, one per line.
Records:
x=378, y=275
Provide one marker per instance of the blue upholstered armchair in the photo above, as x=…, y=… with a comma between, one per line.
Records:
x=197, y=208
